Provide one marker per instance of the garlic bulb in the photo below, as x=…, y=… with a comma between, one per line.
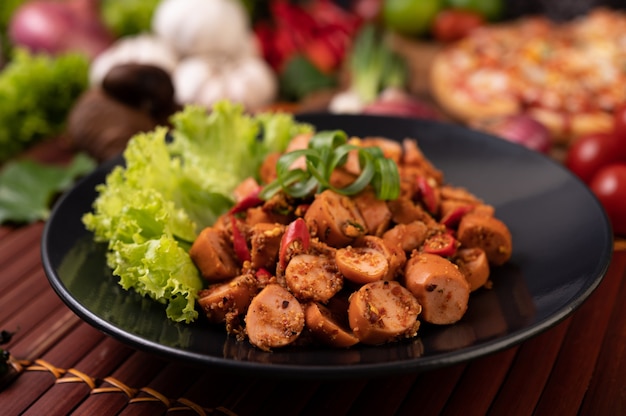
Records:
x=203, y=80
x=203, y=27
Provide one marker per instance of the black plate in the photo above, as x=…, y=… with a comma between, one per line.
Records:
x=562, y=246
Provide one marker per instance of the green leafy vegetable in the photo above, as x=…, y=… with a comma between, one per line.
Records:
x=151, y=210
x=128, y=17
x=300, y=78
x=327, y=151
x=6, y=13
x=373, y=65
x=36, y=95
x=27, y=188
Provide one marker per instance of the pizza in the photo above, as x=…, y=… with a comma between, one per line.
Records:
x=569, y=76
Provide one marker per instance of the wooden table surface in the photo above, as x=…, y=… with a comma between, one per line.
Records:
x=67, y=367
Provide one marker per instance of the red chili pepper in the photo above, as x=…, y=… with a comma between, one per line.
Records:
x=239, y=241
x=452, y=218
x=443, y=244
x=297, y=231
x=427, y=194
x=263, y=276
x=252, y=200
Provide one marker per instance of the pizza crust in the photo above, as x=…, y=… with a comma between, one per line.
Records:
x=458, y=102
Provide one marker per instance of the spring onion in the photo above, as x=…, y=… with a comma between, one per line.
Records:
x=327, y=151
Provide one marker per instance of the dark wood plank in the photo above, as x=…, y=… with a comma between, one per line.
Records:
x=170, y=383
x=607, y=390
x=575, y=363
x=529, y=373
x=113, y=394
x=335, y=397
x=30, y=386
x=479, y=384
x=384, y=395
x=431, y=391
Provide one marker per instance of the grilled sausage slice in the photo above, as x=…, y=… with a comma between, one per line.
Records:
x=232, y=297
x=335, y=219
x=383, y=311
x=361, y=264
x=326, y=327
x=439, y=287
x=264, y=244
x=473, y=264
x=313, y=277
x=274, y=319
x=214, y=256
x=487, y=233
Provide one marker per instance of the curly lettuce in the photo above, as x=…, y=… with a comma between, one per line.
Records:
x=173, y=184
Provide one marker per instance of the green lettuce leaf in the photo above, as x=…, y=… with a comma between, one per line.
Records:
x=174, y=184
x=27, y=188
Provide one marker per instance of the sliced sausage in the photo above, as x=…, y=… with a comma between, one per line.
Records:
x=383, y=311
x=375, y=212
x=473, y=263
x=212, y=253
x=396, y=257
x=233, y=296
x=264, y=245
x=335, y=219
x=361, y=264
x=408, y=236
x=487, y=233
x=439, y=287
x=326, y=327
x=274, y=319
x=312, y=277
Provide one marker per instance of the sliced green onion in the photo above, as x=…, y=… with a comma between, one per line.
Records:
x=327, y=151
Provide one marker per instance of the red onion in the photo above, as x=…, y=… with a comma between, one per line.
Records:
x=397, y=102
x=60, y=26
x=524, y=130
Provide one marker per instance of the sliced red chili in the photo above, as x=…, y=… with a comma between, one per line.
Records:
x=263, y=276
x=452, y=218
x=296, y=232
x=250, y=201
x=443, y=244
x=240, y=245
x=427, y=194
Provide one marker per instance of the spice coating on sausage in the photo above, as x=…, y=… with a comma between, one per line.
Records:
x=326, y=328
x=311, y=277
x=361, y=264
x=439, y=287
x=274, y=319
x=487, y=233
x=334, y=219
x=233, y=297
x=473, y=264
x=383, y=311
x=213, y=256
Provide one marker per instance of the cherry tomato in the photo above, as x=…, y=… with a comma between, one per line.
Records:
x=454, y=24
x=593, y=151
x=609, y=185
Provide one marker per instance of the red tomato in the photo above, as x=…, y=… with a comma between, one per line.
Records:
x=593, y=151
x=455, y=24
x=609, y=185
